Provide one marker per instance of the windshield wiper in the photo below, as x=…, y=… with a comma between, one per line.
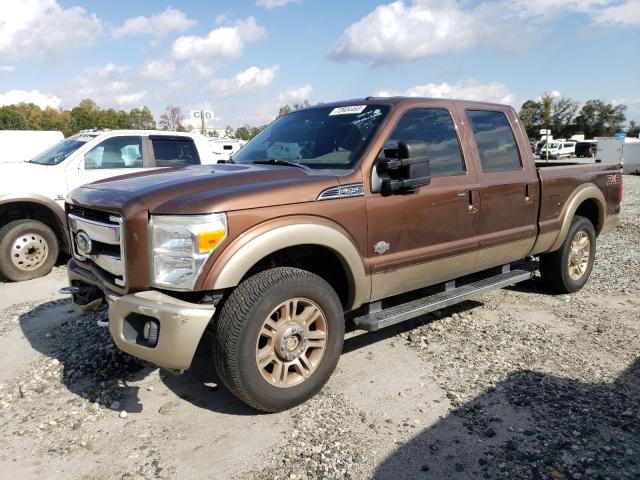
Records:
x=279, y=161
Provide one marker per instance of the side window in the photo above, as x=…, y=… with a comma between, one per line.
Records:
x=115, y=152
x=174, y=152
x=496, y=143
x=434, y=126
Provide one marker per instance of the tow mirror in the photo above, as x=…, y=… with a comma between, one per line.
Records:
x=404, y=169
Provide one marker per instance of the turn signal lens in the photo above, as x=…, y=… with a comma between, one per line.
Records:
x=208, y=241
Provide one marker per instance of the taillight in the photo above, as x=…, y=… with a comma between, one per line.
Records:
x=620, y=189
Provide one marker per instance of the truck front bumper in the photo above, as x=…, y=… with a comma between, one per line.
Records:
x=152, y=325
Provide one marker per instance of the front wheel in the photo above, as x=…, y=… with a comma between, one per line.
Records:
x=567, y=269
x=28, y=249
x=278, y=338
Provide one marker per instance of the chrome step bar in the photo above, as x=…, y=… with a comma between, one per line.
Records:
x=451, y=296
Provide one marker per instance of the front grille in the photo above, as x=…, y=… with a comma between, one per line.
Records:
x=96, y=238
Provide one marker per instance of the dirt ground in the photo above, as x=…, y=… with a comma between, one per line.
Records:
x=518, y=383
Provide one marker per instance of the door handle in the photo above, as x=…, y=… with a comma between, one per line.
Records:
x=461, y=194
x=472, y=196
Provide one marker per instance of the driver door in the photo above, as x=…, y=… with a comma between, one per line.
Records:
x=429, y=236
x=112, y=157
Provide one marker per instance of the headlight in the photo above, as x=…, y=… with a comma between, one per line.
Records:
x=180, y=246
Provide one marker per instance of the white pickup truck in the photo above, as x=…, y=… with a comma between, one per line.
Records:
x=32, y=193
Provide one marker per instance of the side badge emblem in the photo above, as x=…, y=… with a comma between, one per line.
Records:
x=381, y=247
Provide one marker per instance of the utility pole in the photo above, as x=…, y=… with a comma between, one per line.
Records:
x=202, y=122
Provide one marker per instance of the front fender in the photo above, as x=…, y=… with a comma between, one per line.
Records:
x=247, y=250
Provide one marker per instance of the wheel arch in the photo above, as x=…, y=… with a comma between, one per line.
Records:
x=35, y=207
x=302, y=240
x=587, y=201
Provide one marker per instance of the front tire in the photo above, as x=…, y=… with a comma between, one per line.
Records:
x=278, y=338
x=567, y=269
x=28, y=249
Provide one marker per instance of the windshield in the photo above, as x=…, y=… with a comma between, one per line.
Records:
x=321, y=138
x=61, y=150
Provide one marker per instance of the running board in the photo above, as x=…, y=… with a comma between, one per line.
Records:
x=422, y=306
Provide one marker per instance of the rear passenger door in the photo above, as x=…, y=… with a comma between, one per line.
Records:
x=173, y=151
x=507, y=183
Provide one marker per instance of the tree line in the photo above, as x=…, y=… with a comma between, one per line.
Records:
x=566, y=117
x=86, y=115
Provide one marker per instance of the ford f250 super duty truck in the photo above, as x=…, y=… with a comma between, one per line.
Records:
x=331, y=214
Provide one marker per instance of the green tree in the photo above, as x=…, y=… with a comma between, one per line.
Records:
x=598, y=119
x=247, y=133
x=294, y=106
x=634, y=129
x=142, y=119
x=531, y=117
x=12, y=119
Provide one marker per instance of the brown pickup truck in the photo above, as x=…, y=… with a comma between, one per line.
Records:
x=330, y=216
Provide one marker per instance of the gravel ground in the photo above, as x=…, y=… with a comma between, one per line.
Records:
x=514, y=384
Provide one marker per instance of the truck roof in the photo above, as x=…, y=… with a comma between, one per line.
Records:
x=397, y=100
x=137, y=132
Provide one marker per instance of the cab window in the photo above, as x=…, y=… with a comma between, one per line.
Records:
x=115, y=152
x=433, y=126
x=496, y=144
x=174, y=152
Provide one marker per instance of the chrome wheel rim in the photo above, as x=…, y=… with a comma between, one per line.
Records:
x=291, y=342
x=579, y=255
x=29, y=251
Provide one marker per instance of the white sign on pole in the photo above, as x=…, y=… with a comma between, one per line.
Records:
x=197, y=115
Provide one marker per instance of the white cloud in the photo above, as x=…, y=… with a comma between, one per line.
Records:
x=44, y=28
x=405, y=31
x=253, y=78
x=157, y=70
x=269, y=4
x=296, y=95
x=627, y=14
x=170, y=21
x=7, y=68
x=468, y=90
x=108, y=85
x=219, y=43
x=43, y=100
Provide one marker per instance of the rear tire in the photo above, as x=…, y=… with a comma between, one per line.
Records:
x=567, y=269
x=28, y=249
x=278, y=338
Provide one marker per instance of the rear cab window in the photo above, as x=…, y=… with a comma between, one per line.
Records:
x=435, y=127
x=496, y=143
x=174, y=151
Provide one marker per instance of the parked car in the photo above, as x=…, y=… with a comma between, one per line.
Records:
x=558, y=149
x=330, y=214
x=224, y=148
x=21, y=145
x=32, y=220
x=586, y=148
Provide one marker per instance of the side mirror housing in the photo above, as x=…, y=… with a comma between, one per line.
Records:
x=404, y=169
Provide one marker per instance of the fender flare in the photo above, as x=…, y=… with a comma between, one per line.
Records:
x=230, y=268
x=584, y=192
x=46, y=202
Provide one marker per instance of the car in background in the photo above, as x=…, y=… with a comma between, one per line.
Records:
x=224, y=148
x=32, y=218
x=21, y=145
x=587, y=148
x=557, y=149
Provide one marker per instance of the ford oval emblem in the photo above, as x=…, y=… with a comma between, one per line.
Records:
x=83, y=243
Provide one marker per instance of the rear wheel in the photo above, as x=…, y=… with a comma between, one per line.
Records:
x=28, y=249
x=278, y=338
x=567, y=269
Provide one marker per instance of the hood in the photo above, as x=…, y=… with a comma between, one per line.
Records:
x=204, y=189
x=25, y=177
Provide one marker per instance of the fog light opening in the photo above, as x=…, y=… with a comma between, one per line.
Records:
x=150, y=333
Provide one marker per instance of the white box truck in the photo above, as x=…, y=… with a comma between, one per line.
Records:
x=22, y=145
x=624, y=151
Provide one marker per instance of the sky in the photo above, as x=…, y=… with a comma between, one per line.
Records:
x=244, y=59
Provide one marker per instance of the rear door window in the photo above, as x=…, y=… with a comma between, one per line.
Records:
x=174, y=151
x=435, y=127
x=496, y=144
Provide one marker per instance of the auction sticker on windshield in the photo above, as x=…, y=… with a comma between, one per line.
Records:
x=347, y=110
